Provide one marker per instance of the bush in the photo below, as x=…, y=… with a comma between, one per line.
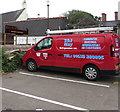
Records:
x=11, y=62
x=0, y=58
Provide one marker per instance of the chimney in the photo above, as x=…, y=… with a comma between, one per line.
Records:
x=116, y=15
x=103, y=17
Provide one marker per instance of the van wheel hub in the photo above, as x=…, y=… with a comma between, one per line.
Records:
x=31, y=66
x=91, y=73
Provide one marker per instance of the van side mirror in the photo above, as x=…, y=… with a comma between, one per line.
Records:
x=36, y=48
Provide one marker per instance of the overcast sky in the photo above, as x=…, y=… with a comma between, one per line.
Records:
x=58, y=7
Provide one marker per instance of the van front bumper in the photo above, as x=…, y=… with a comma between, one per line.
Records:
x=117, y=67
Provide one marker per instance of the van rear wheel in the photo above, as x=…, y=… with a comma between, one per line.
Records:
x=91, y=72
x=31, y=65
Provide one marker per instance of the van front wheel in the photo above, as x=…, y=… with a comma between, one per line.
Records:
x=31, y=65
x=91, y=72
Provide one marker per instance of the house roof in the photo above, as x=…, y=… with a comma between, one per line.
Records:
x=109, y=23
x=86, y=22
x=11, y=16
x=35, y=19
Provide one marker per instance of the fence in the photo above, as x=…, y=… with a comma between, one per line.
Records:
x=29, y=40
x=6, y=39
x=13, y=47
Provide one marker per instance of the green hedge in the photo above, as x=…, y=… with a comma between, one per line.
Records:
x=11, y=62
x=0, y=58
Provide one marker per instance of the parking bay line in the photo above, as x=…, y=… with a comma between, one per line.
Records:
x=44, y=99
x=67, y=80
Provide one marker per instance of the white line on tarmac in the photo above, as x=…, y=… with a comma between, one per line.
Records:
x=38, y=110
x=67, y=80
x=44, y=99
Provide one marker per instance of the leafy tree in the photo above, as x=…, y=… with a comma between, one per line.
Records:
x=75, y=17
x=97, y=18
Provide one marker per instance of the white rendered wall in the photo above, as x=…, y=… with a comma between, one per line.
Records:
x=23, y=16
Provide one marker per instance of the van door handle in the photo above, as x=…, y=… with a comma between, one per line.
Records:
x=60, y=54
x=49, y=54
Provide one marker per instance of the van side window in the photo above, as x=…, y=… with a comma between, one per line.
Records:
x=44, y=44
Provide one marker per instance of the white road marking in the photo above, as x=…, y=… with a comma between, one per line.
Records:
x=38, y=110
x=44, y=99
x=67, y=80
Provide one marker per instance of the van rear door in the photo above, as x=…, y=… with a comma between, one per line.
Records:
x=116, y=52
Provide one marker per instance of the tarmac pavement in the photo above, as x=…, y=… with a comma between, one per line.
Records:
x=50, y=90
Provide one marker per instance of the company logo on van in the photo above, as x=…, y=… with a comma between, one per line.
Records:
x=68, y=42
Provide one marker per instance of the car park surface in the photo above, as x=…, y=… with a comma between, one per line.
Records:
x=50, y=90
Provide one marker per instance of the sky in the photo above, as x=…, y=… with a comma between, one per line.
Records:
x=58, y=7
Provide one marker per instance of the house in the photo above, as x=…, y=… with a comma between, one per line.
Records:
x=17, y=28
x=89, y=23
x=113, y=23
x=20, y=14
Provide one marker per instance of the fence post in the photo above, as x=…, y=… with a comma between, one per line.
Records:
x=26, y=39
x=15, y=39
x=5, y=38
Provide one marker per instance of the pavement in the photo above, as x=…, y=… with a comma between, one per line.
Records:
x=51, y=90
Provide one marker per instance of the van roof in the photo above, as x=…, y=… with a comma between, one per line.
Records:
x=82, y=31
x=85, y=35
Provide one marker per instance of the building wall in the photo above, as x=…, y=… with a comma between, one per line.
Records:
x=24, y=15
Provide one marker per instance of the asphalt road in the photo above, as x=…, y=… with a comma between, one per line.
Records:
x=50, y=90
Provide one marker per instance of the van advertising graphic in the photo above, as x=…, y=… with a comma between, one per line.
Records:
x=85, y=44
x=98, y=57
x=90, y=43
x=45, y=55
x=38, y=53
x=117, y=53
x=117, y=42
x=68, y=44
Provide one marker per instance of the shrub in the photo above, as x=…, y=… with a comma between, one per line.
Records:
x=0, y=58
x=11, y=62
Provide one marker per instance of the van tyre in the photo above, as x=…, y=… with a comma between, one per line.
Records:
x=91, y=72
x=31, y=66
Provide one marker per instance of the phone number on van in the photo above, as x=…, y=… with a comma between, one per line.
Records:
x=84, y=56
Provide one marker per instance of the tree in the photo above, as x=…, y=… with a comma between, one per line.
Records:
x=97, y=18
x=76, y=16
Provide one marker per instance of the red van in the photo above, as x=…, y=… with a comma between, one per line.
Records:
x=93, y=55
